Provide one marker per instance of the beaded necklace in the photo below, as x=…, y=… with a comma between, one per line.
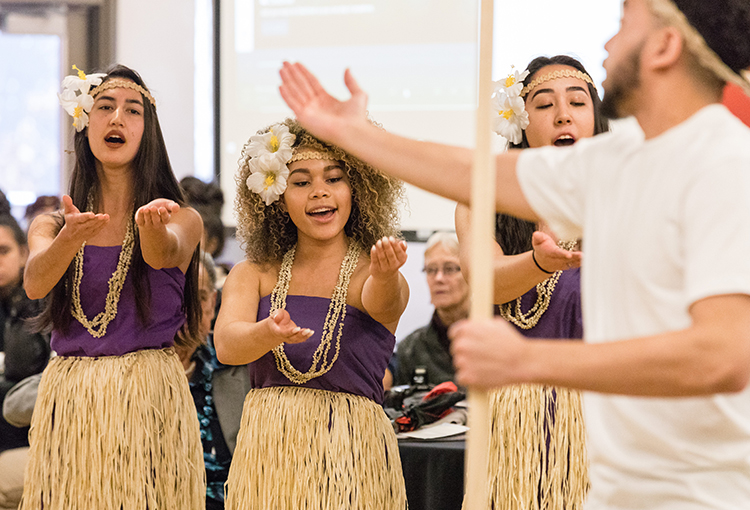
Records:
x=335, y=316
x=97, y=327
x=512, y=312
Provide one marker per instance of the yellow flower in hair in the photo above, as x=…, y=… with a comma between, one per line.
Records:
x=75, y=98
x=268, y=177
x=82, y=82
x=511, y=119
x=278, y=141
x=77, y=107
x=512, y=85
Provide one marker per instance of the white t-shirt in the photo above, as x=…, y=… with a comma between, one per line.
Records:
x=666, y=222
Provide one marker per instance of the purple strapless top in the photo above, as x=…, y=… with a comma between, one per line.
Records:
x=563, y=318
x=366, y=348
x=125, y=333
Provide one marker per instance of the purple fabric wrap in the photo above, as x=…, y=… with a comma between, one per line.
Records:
x=125, y=333
x=563, y=318
x=366, y=347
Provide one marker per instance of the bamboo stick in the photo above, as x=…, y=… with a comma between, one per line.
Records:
x=482, y=228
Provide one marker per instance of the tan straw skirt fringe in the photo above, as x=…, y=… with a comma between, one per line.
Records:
x=523, y=472
x=115, y=433
x=305, y=449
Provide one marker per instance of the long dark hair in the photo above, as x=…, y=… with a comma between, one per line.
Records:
x=514, y=234
x=155, y=179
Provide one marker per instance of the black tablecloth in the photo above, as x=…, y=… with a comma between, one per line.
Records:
x=434, y=473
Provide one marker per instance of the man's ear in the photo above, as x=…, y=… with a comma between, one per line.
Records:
x=663, y=49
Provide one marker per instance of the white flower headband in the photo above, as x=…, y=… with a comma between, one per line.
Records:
x=267, y=156
x=77, y=98
x=77, y=105
x=512, y=117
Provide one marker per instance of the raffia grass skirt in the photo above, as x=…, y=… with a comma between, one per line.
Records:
x=537, y=453
x=115, y=433
x=300, y=448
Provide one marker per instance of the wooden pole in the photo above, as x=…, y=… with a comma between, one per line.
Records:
x=482, y=228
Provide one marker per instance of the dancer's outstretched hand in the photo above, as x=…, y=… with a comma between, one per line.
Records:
x=156, y=213
x=551, y=256
x=81, y=226
x=386, y=257
x=285, y=330
x=319, y=112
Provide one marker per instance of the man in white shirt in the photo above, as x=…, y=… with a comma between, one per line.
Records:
x=663, y=203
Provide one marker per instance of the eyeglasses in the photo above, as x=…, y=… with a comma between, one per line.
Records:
x=447, y=269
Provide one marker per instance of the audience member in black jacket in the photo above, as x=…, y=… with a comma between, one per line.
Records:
x=23, y=352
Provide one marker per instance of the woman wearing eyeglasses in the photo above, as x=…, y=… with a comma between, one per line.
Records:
x=428, y=347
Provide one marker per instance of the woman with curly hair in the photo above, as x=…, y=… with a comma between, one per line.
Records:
x=314, y=314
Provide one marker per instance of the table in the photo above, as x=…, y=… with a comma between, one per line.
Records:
x=434, y=473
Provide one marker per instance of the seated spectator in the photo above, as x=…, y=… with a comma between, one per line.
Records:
x=24, y=353
x=218, y=390
x=43, y=204
x=203, y=194
x=424, y=356
x=4, y=204
x=208, y=199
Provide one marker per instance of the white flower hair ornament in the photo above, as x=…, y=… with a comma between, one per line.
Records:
x=267, y=155
x=75, y=98
x=512, y=117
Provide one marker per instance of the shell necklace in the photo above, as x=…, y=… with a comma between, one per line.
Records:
x=97, y=327
x=512, y=312
x=335, y=316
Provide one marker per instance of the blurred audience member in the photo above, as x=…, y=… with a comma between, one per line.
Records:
x=424, y=356
x=22, y=352
x=4, y=204
x=218, y=391
x=200, y=193
x=208, y=199
x=43, y=204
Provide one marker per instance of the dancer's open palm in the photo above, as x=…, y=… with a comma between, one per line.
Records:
x=285, y=330
x=386, y=257
x=156, y=214
x=81, y=226
x=551, y=256
x=319, y=112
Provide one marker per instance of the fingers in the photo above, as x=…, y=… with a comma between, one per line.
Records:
x=68, y=207
x=388, y=254
x=308, y=82
x=351, y=83
x=158, y=212
x=298, y=86
x=288, y=330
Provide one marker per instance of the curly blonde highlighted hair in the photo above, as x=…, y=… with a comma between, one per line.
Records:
x=266, y=233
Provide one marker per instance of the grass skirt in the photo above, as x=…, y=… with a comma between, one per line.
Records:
x=115, y=433
x=306, y=449
x=537, y=455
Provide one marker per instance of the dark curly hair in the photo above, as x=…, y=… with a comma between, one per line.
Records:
x=266, y=232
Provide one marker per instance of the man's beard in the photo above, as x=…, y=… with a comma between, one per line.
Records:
x=621, y=83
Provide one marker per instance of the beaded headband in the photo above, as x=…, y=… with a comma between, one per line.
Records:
x=304, y=153
x=556, y=75
x=669, y=13
x=119, y=83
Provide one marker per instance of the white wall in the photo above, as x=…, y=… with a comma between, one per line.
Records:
x=155, y=37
